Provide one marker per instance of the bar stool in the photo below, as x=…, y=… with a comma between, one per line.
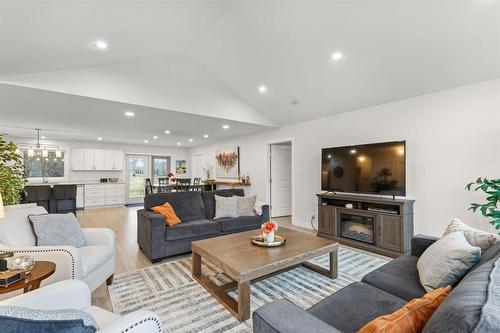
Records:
x=39, y=194
x=64, y=198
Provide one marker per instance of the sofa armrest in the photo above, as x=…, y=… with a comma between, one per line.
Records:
x=66, y=258
x=265, y=216
x=68, y=294
x=281, y=316
x=151, y=234
x=137, y=321
x=420, y=243
x=99, y=236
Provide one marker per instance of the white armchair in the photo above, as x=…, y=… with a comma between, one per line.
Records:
x=93, y=263
x=72, y=294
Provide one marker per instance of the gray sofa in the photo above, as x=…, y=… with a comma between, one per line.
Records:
x=196, y=210
x=472, y=305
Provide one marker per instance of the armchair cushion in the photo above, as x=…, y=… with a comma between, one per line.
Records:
x=93, y=257
x=15, y=228
x=57, y=229
x=19, y=319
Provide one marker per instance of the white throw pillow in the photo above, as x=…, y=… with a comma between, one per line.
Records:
x=15, y=227
x=446, y=261
x=226, y=207
x=57, y=229
x=475, y=237
x=246, y=205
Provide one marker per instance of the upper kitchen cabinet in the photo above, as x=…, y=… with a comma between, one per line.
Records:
x=89, y=159
x=113, y=160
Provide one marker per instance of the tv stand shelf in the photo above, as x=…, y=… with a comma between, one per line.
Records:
x=381, y=225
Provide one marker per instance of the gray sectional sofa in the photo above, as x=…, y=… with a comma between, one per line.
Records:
x=472, y=306
x=196, y=210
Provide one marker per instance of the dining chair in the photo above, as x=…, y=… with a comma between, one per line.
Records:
x=182, y=184
x=196, y=185
x=162, y=184
x=148, y=186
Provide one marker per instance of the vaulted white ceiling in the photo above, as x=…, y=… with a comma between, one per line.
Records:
x=202, y=60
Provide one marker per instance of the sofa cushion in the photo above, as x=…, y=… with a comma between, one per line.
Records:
x=352, y=307
x=192, y=229
x=246, y=205
x=239, y=223
x=226, y=207
x=57, y=229
x=187, y=205
x=94, y=256
x=472, y=305
x=447, y=261
x=209, y=199
x=398, y=277
x=481, y=239
x=19, y=319
x=412, y=317
x=15, y=227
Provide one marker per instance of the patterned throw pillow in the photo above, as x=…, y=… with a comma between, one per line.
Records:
x=446, y=261
x=411, y=318
x=226, y=207
x=246, y=205
x=19, y=319
x=475, y=237
x=57, y=229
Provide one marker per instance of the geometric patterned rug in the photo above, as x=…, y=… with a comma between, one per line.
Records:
x=184, y=306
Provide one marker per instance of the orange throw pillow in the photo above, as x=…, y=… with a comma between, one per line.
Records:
x=411, y=318
x=168, y=211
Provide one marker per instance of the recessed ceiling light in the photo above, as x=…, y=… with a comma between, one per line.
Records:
x=129, y=114
x=190, y=140
x=178, y=143
x=205, y=136
x=43, y=137
x=146, y=141
x=100, y=44
x=353, y=151
x=155, y=137
x=337, y=55
x=167, y=132
x=99, y=139
x=294, y=101
x=225, y=126
x=262, y=89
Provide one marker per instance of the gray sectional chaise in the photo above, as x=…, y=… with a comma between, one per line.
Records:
x=472, y=306
x=196, y=210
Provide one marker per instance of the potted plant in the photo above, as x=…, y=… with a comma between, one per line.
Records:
x=268, y=230
x=208, y=171
x=12, y=173
x=489, y=209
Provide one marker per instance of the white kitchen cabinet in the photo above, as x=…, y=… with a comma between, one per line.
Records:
x=104, y=195
x=113, y=160
x=80, y=193
x=90, y=159
x=77, y=159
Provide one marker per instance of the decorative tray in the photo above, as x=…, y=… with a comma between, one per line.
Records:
x=260, y=241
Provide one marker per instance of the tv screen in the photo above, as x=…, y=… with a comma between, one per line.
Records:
x=372, y=168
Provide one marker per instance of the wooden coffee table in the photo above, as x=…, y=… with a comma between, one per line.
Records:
x=244, y=262
x=41, y=271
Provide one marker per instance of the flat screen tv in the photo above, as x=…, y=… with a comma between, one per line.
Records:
x=377, y=168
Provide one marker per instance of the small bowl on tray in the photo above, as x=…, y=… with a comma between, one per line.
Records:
x=259, y=240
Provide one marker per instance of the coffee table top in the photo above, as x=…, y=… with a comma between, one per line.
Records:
x=243, y=261
x=41, y=271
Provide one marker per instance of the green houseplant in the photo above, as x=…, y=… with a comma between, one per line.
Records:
x=12, y=173
x=489, y=209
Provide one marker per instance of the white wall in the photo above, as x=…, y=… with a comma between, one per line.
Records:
x=452, y=138
x=174, y=153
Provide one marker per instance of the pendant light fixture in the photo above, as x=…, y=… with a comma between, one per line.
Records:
x=39, y=151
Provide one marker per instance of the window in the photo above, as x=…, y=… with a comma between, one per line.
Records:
x=161, y=168
x=39, y=166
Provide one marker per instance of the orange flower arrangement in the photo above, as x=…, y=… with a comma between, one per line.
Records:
x=269, y=227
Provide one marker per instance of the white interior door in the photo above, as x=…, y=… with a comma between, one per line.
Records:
x=281, y=180
x=197, y=169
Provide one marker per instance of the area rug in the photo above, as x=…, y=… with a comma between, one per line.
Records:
x=184, y=306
